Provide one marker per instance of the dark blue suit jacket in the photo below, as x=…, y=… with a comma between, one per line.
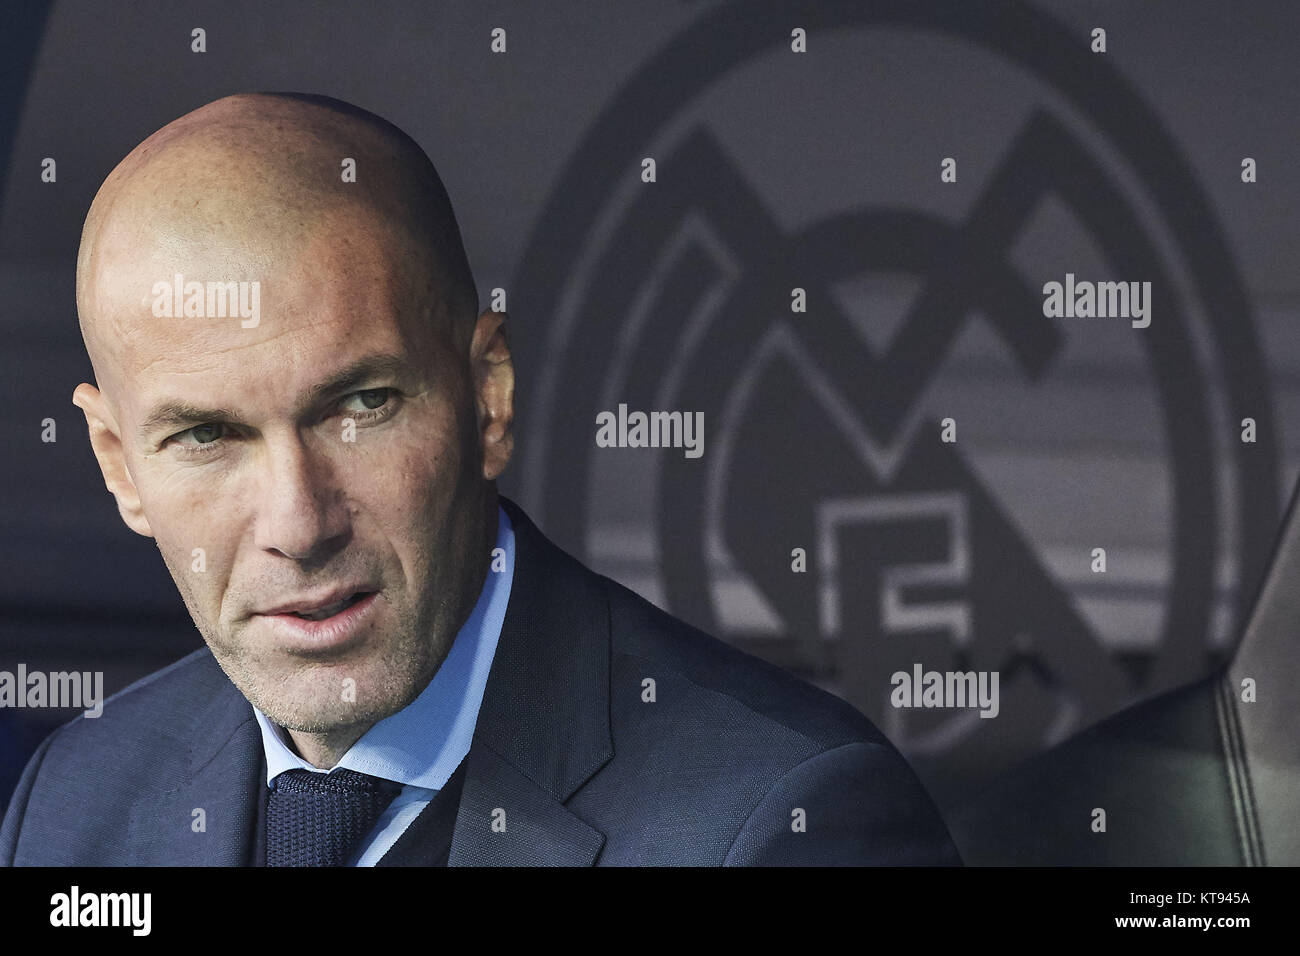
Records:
x=714, y=771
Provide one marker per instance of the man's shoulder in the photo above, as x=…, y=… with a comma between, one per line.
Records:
x=158, y=704
x=75, y=801
x=720, y=756
x=680, y=665
x=145, y=727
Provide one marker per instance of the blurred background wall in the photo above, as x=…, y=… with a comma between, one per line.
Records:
x=827, y=526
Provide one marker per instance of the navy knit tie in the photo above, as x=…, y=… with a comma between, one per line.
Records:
x=318, y=819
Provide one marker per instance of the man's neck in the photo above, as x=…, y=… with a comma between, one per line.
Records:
x=327, y=749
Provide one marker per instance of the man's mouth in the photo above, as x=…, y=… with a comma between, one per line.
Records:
x=330, y=610
x=325, y=622
x=322, y=604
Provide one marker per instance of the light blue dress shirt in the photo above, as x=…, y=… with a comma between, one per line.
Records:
x=422, y=744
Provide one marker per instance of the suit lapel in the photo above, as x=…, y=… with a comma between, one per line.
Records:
x=427, y=841
x=224, y=778
x=505, y=819
x=543, y=728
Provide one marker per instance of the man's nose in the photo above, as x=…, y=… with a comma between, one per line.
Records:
x=303, y=513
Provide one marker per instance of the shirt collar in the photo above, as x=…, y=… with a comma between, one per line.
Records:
x=424, y=742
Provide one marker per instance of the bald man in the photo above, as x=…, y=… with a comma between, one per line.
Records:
x=297, y=398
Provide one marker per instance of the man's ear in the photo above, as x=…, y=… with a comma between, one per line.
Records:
x=106, y=441
x=494, y=391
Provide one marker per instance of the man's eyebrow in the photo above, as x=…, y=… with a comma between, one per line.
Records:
x=362, y=370
x=175, y=414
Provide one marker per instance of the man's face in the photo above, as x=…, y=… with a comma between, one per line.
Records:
x=265, y=499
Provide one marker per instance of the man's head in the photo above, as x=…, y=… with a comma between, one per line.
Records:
x=344, y=440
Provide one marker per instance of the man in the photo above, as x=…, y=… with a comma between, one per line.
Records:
x=298, y=400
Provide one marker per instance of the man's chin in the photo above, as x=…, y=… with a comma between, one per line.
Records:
x=312, y=717
x=325, y=699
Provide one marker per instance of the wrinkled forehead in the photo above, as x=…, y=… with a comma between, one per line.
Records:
x=196, y=311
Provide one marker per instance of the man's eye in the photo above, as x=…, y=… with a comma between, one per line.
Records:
x=371, y=398
x=202, y=434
